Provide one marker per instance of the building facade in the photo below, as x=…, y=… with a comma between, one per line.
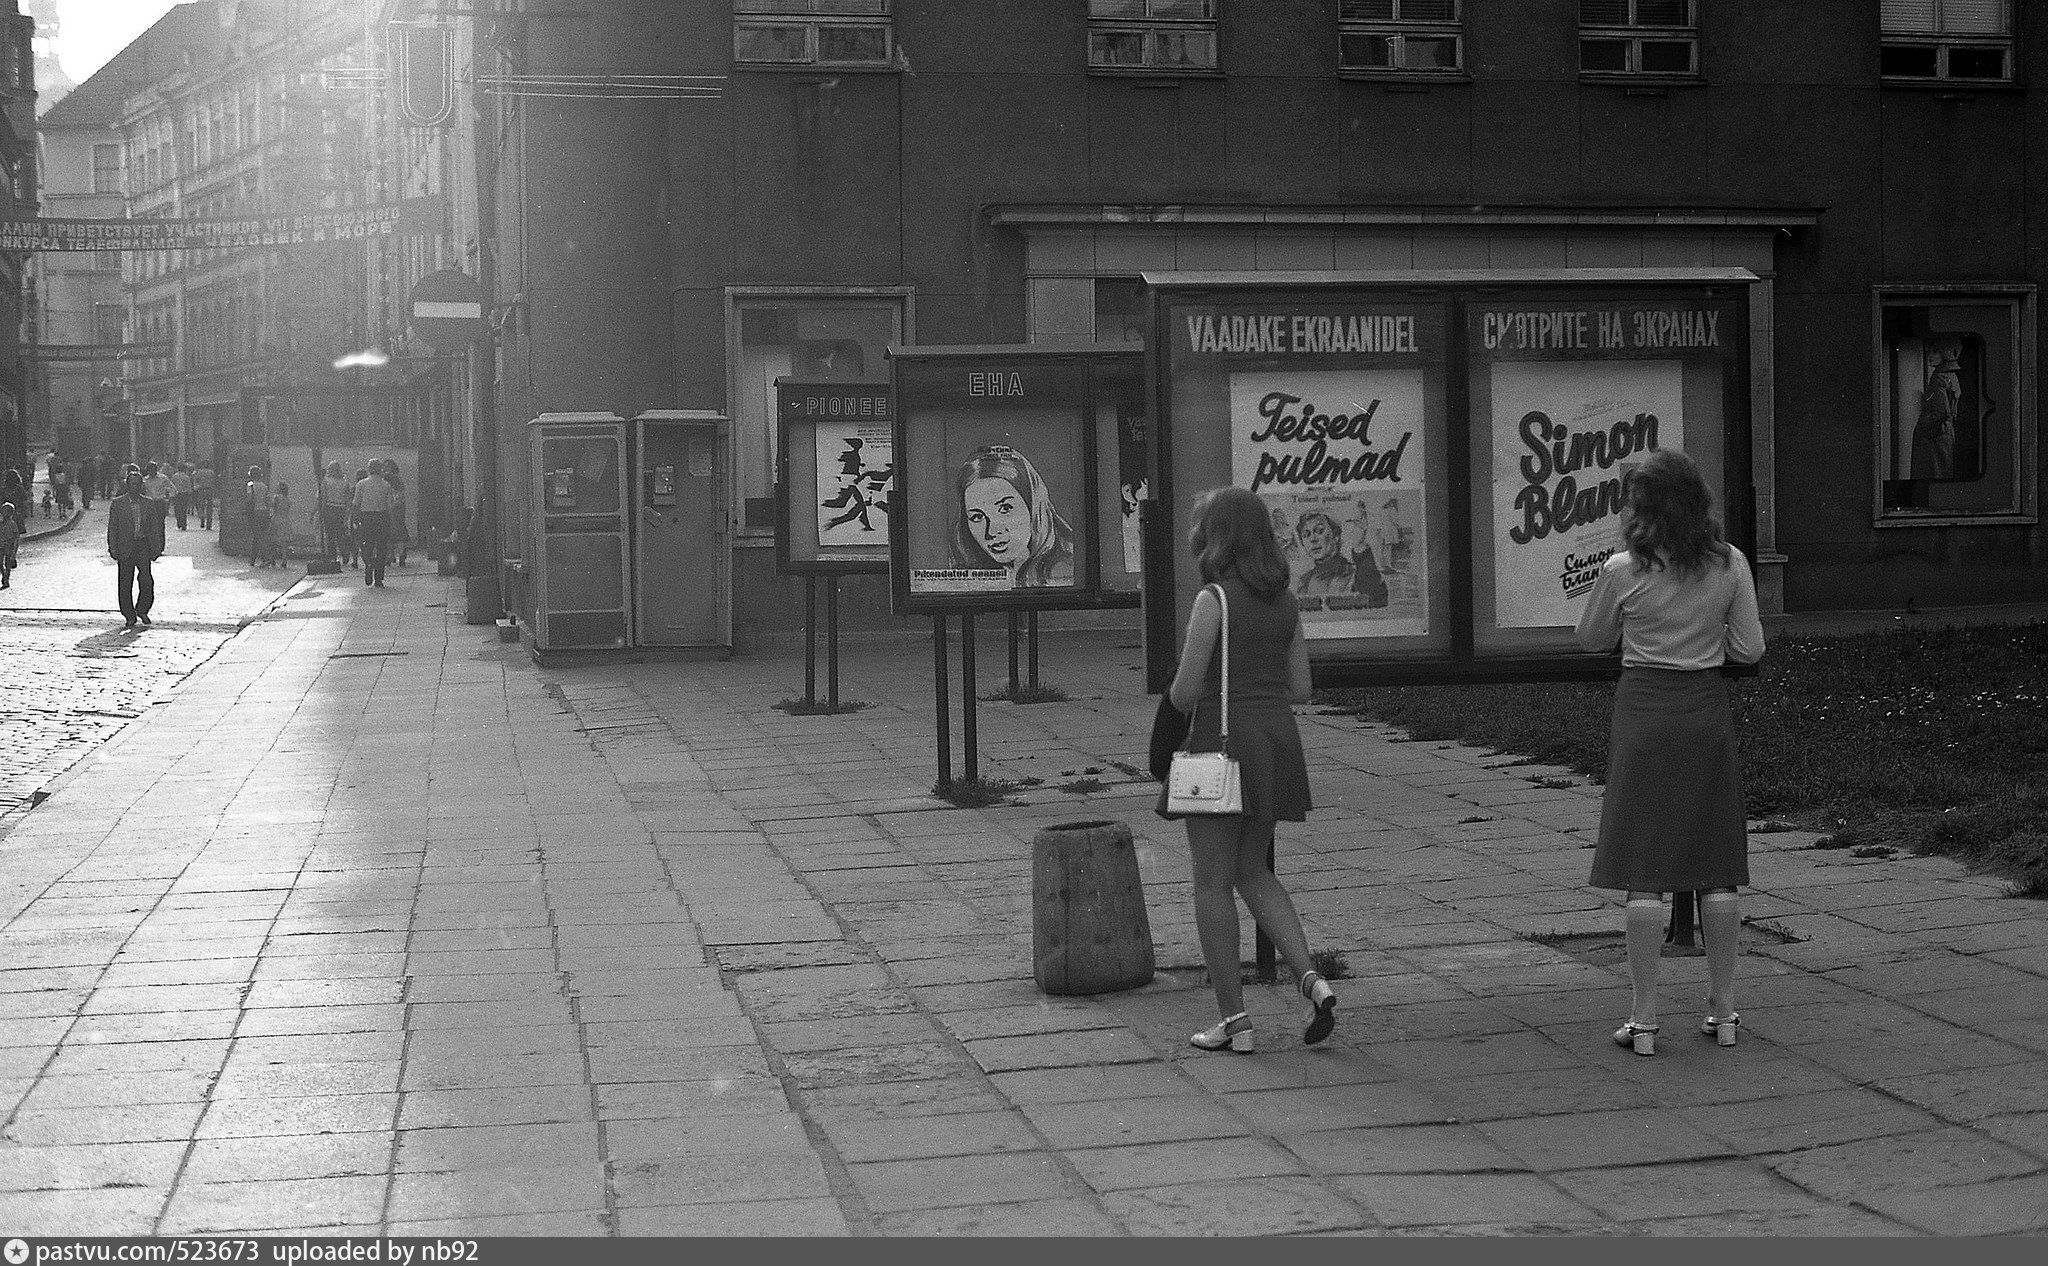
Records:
x=17, y=200
x=911, y=171
x=241, y=112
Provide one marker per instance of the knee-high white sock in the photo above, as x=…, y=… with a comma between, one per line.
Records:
x=1645, y=936
x=1720, y=925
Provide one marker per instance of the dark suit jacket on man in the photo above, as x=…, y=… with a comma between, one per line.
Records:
x=124, y=542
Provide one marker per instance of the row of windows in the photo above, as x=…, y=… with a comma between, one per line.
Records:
x=1930, y=40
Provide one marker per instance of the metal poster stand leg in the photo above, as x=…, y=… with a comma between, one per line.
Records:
x=1680, y=931
x=1031, y=628
x=1013, y=654
x=832, y=644
x=810, y=641
x=945, y=707
x=1264, y=952
x=969, y=761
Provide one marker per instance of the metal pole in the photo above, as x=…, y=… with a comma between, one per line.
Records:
x=832, y=643
x=969, y=761
x=1264, y=951
x=809, y=642
x=1014, y=623
x=1680, y=931
x=1031, y=624
x=943, y=704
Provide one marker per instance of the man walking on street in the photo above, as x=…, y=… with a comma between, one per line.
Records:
x=156, y=483
x=202, y=493
x=372, y=502
x=181, y=491
x=135, y=538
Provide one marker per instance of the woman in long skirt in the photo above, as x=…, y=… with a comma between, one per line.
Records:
x=1680, y=601
x=1236, y=551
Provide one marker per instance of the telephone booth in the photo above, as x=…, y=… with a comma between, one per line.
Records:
x=681, y=560
x=580, y=557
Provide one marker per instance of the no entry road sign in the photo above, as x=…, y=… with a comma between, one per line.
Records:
x=448, y=310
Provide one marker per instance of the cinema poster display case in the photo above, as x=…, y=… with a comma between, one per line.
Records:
x=1441, y=452
x=835, y=476
x=1020, y=471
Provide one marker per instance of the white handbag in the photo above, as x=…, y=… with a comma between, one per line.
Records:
x=1208, y=783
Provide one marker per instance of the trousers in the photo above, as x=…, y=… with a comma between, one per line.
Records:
x=137, y=586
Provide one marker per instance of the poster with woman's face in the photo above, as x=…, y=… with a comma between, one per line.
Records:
x=999, y=500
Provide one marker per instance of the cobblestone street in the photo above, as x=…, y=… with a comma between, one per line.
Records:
x=71, y=676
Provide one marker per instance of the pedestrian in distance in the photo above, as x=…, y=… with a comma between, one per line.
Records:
x=332, y=513
x=256, y=498
x=156, y=483
x=49, y=504
x=84, y=477
x=10, y=537
x=354, y=533
x=15, y=495
x=1235, y=551
x=371, y=505
x=181, y=492
x=279, y=542
x=135, y=539
x=60, y=485
x=203, y=484
x=1680, y=602
x=401, y=536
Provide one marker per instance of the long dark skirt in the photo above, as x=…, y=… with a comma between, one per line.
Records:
x=1671, y=819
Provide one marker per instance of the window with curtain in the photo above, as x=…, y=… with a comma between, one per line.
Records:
x=812, y=33
x=1650, y=38
x=1400, y=36
x=1967, y=41
x=1152, y=35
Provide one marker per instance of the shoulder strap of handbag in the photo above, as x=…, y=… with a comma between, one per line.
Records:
x=1187, y=741
x=1223, y=649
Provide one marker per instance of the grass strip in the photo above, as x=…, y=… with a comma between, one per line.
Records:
x=1929, y=739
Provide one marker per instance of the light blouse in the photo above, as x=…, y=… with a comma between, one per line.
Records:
x=1663, y=619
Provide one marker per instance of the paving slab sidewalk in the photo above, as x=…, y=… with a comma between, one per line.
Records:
x=377, y=927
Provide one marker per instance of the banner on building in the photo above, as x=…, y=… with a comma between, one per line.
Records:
x=1336, y=454
x=414, y=217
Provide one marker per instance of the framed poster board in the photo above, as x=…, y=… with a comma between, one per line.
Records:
x=835, y=476
x=1570, y=389
x=1441, y=452
x=1018, y=480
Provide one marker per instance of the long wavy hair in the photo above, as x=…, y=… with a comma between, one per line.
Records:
x=1672, y=519
x=1052, y=541
x=1233, y=536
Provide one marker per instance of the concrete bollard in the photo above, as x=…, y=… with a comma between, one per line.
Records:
x=1089, y=930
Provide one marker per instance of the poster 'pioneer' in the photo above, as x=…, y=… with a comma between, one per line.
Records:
x=1564, y=434
x=1336, y=456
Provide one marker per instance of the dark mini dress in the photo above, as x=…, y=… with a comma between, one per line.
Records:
x=1263, y=736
